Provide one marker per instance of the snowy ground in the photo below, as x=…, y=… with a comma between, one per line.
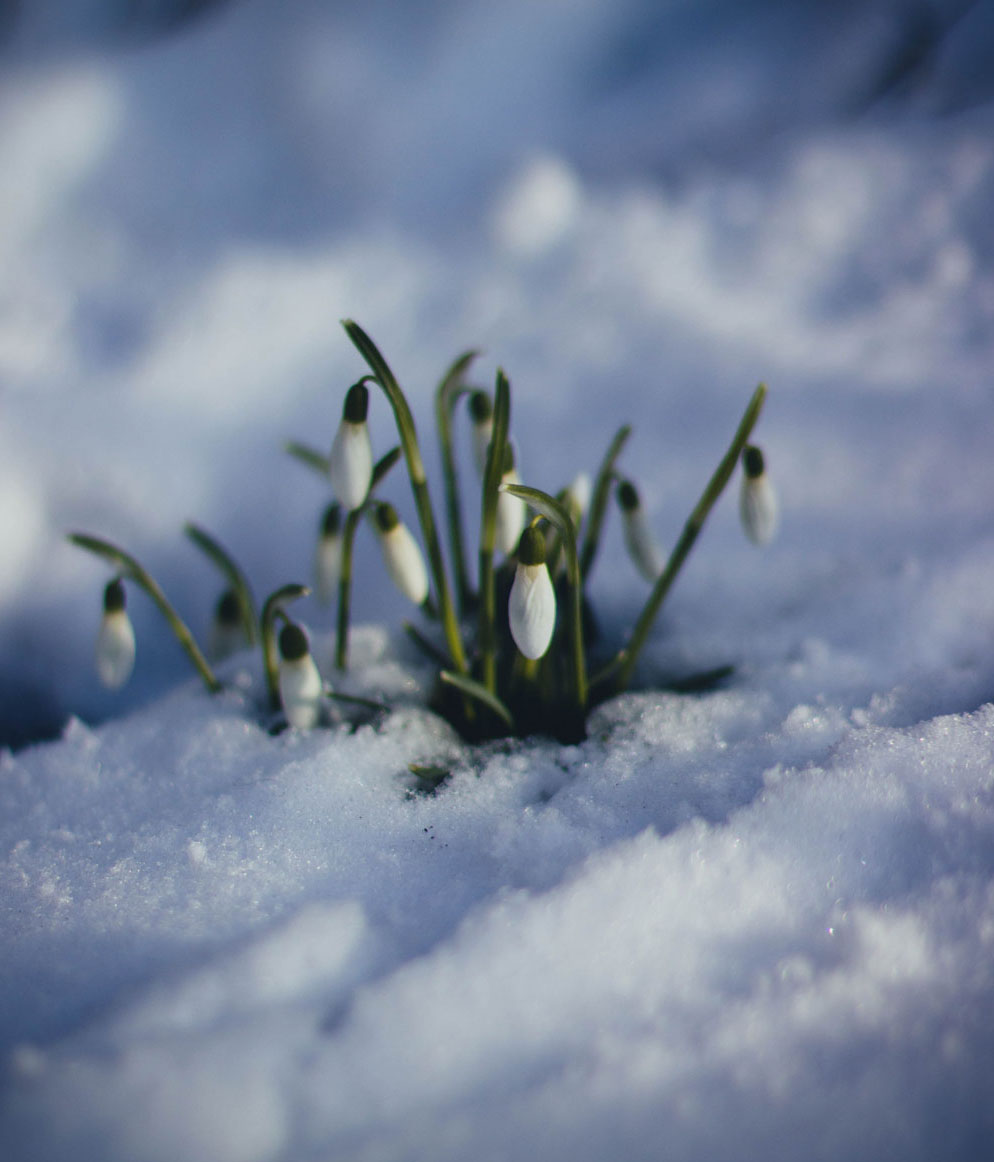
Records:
x=757, y=922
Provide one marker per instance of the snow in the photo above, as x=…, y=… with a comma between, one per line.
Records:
x=752, y=922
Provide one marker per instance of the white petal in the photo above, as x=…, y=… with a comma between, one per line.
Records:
x=327, y=568
x=578, y=494
x=511, y=516
x=351, y=464
x=301, y=692
x=531, y=610
x=115, y=649
x=642, y=546
x=759, y=509
x=404, y=562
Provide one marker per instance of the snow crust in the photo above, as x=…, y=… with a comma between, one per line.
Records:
x=754, y=922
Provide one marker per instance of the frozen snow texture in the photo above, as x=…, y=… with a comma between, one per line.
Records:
x=757, y=922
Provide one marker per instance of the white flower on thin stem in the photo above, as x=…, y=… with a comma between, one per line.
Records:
x=643, y=548
x=531, y=608
x=511, y=510
x=758, y=505
x=228, y=634
x=351, y=462
x=115, y=652
x=328, y=555
x=481, y=412
x=577, y=497
x=301, y=688
x=401, y=554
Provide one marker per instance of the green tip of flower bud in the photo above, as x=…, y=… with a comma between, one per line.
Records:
x=531, y=547
x=293, y=643
x=331, y=522
x=228, y=612
x=114, y=596
x=481, y=407
x=386, y=517
x=628, y=496
x=752, y=462
x=356, y=404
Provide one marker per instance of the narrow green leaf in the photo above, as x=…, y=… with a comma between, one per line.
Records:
x=308, y=456
x=599, y=501
x=478, y=691
x=487, y=636
x=446, y=397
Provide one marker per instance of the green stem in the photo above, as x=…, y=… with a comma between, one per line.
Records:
x=271, y=609
x=234, y=575
x=624, y=663
x=599, y=501
x=419, y=484
x=446, y=398
x=487, y=643
x=129, y=567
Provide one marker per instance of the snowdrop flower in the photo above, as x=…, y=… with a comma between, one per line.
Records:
x=401, y=554
x=643, y=548
x=577, y=497
x=758, y=506
x=481, y=412
x=351, y=461
x=115, y=654
x=532, y=605
x=511, y=510
x=301, y=688
x=228, y=630
x=328, y=555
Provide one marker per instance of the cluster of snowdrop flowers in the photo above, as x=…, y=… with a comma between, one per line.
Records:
x=511, y=642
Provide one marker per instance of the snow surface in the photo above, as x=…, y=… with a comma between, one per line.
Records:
x=757, y=922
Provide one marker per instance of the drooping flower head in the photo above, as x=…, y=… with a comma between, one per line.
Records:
x=115, y=651
x=351, y=462
x=228, y=634
x=301, y=688
x=401, y=554
x=531, y=607
x=758, y=505
x=643, y=548
x=328, y=554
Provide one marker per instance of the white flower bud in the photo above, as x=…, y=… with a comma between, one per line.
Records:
x=643, y=548
x=328, y=556
x=115, y=652
x=351, y=462
x=228, y=634
x=401, y=554
x=577, y=497
x=301, y=688
x=758, y=505
x=531, y=608
x=482, y=414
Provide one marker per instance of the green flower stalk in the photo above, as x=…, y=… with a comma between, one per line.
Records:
x=487, y=635
x=115, y=651
x=419, y=485
x=446, y=397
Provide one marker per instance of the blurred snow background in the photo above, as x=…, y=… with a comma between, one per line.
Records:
x=759, y=921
